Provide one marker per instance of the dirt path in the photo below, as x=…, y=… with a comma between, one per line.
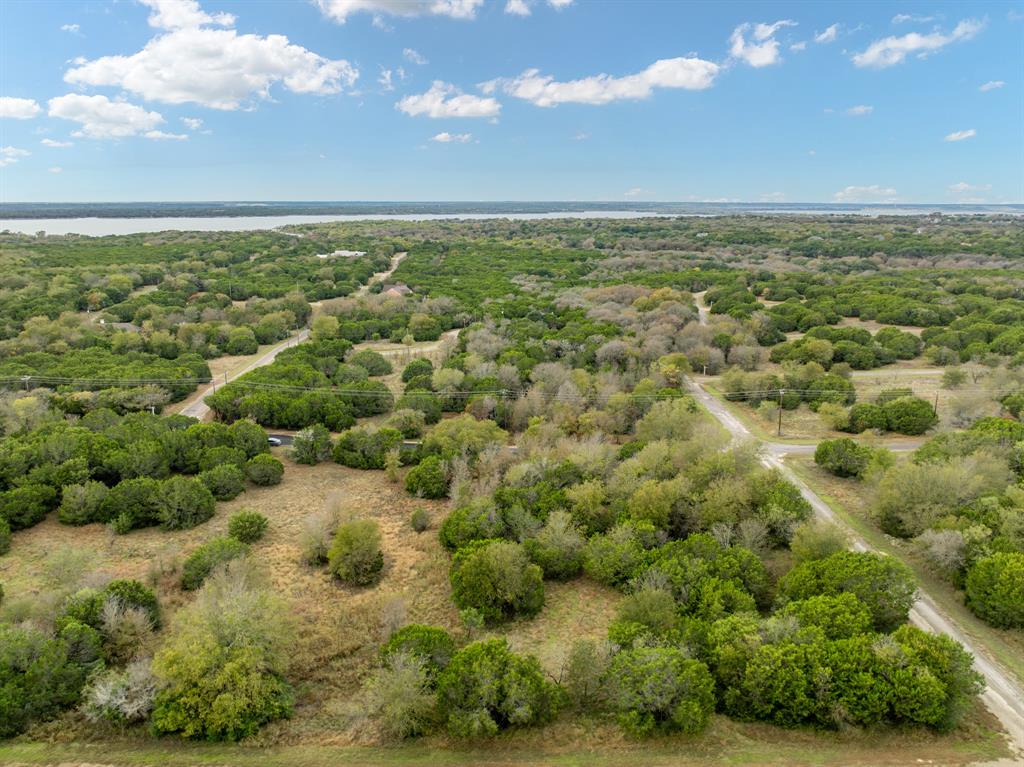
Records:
x=381, y=276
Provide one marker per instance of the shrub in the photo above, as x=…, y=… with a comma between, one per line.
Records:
x=355, y=556
x=840, y=617
x=201, y=562
x=127, y=632
x=584, y=674
x=420, y=519
x=184, y=502
x=121, y=696
x=487, y=688
x=615, y=557
x=430, y=644
x=478, y=520
x=866, y=415
x=995, y=589
x=131, y=593
x=264, y=470
x=236, y=682
x=428, y=479
x=400, y=697
x=425, y=402
x=26, y=505
x=497, y=578
x=909, y=415
x=557, y=547
x=316, y=535
x=5, y=536
x=247, y=526
x=365, y=447
x=372, y=362
x=409, y=422
x=417, y=367
x=843, y=457
x=81, y=504
x=224, y=482
x=815, y=539
x=883, y=584
x=221, y=455
x=311, y=445
x=658, y=689
x=132, y=503
x=463, y=435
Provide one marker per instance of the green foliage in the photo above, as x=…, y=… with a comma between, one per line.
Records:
x=184, y=502
x=365, y=447
x=26, y=505
x=264, y=470
x=463, y=435
x=81, y=504
x=131, y=593
x=355, y=556
x=843, y=457
x=207, y=557
x=5, y=536
x=840, y=617
x=659, y=689
x=909, y=415
x=615, y=557
x=884, y=585
x=995, y=589
x=487, y=688
x=428, y=479
x=311, y=445
x=432, y=645
x=224, y=482
x=867, y=415
x=247, y=526
x=374, y=363
x=417, y=367
x=498, y=579
x=132, y=503
x=399, y=695
x=557, y=547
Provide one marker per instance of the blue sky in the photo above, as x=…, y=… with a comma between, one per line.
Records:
x=511, y=100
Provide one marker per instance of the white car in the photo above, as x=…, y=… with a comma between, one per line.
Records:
x=274, y=441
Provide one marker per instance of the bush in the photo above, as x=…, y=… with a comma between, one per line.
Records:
x=420, y=519
x=815, y=539
x=264, y=470
x=224, y=482
x=995, y=589
x=372, y=362
x=487, y=688
x=26, y=505
x=400, y=697
x=430, y=644
x=909, y=415
x=235, y=684
x=418, y=367
x=365, y=447
x=615, y=557
x=201, y=562
x=184, y=502
x=311, y=445
x=247, y=526
x=584, y=677
x=839, y=617
x=131, y=593
x=81, y=504
x=409, y=422
x=5, y=536
x=221, y=455
x=867, y=415
x=498, y=579
x=463, y=435
x=355, y=556
x=127, y=632
x=658, y=689
x=132, y=503
x=428, y=479
x=425, y=402
x=843, y=457
x=121, y=696
x=557, y=547
x=883, y=584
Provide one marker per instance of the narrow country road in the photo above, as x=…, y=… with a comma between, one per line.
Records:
x=199, y=409
x=1003, y=695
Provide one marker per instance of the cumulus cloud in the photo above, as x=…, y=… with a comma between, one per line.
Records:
x=828, y=36
x=894, y=50
x=18, y=109
x=545, y=91
x=872, y=193
x=11, y=154
x=192, y=123
x=217, y=68
x=991, y=85
x=72, y=28
x=385, y=79
x=517, y=8
x=800, y=46
x=159, y=135
x=340, y=10
x=56, y=144
x=414, y=56
x=183, y=14
x=761, y=49
x=445, y=100
x=102, y=118
x=452, y=138
x=961, y=135
x=860, y=110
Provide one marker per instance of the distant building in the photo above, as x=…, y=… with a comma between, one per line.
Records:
x=342, y=254
x=396, y=289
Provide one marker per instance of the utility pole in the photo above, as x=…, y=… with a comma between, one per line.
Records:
x=781, y=392
x=935, y=407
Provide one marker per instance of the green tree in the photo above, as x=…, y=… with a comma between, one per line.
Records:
x=355, y=556
x=498, y=579
x=659, y=689
x=995, y=589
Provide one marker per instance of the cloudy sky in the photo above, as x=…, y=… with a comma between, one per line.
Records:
x=511, y=100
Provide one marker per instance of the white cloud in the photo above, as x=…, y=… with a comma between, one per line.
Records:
x=961, y=135
x=828, y=36
x=183, y=14
x=900, y=18
x=340, y=10
x=637, y=191
x=445, y=100
x=11, y=154
x=893, y=50
x=452, y=138
x=414, y=56
x=560, y=3
x=991, y=85
x=159, y=135
x=385, y=79
x=102, y=118
x=517, y=8
x=56, y=169
x=56, y=144
x=800, y=46
x=192, y=123
x=860, y=110
x=18, y=109
x=545, y=91
x=962, y=186
x=763, y=49
x=218, y=68
x=72, y=28
x=872, y=193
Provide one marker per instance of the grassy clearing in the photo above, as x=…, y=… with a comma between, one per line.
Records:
x=849, y=499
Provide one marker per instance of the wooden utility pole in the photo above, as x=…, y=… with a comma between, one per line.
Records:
x=781, y=392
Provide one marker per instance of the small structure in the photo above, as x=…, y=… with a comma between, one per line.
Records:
x=396, y=289
x=342, y=254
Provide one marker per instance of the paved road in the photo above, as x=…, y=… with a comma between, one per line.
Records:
x=1003, y=695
